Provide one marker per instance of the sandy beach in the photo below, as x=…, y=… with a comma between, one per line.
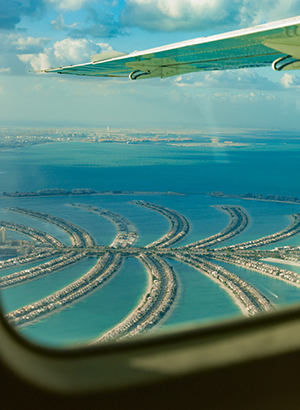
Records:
x=283, y=261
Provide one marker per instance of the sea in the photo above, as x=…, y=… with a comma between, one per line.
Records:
x=269, y=166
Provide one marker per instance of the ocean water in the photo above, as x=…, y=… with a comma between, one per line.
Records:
x=114, y=166
x=191, y=170
x=200, y=299
x=31, y=291
x=94, y=314
x=278, y=292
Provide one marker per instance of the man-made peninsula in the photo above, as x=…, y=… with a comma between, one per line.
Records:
x=160, y=297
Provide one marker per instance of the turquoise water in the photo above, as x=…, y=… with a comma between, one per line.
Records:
x=151, y=167
x=94, y=314
x=200, y=298
x=23, y=294
x=278, y=292
x=145, y=168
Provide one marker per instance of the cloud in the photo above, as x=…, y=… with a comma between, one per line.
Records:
x=11, y=65
x=99, y=23
x=235, y=79
x=68, y=5
x=289, y=81
x=262, y=11
x=24, y=43
x=12, y=11
x=199, y=15
x=73, y=50
x=5, y=70
x=65, y=52
x=173, y=15
x=12, y=42
x=244, y=97
x=227, y=97
x=59, y=24
x=37, y=61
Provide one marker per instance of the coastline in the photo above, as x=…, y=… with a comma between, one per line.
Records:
x=131, y=314
x=229, y=292
x=282, y=261
x=232, y=296
x=297, y=285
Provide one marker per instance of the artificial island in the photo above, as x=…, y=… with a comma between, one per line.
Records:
x=163, y=285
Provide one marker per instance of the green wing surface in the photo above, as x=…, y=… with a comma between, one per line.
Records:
x=274, y=44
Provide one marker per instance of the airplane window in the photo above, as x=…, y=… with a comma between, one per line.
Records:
x=135, y=207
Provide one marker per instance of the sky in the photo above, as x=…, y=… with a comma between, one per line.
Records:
x=38, y=34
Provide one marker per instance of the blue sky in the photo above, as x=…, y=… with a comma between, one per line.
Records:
x=37, y=34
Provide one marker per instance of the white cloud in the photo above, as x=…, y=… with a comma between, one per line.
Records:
x=37, y=61
x=188, y=15
x=176, y=8
x=13, y=44
x=242, y=97
x=73, y=50
x=5, y=70
x=261, y=11
x=68, y=5
x=59, y=24
x=234, y=79
x=16, y=42
x=105, y=46
x=22, y=43
x=290, y=81
x=65, y=52
x=172, y=15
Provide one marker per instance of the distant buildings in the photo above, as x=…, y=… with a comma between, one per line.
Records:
x=2, y=235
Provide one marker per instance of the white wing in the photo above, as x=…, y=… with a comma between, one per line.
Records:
x=276, y=44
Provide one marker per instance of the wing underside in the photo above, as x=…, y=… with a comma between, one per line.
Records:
x=276, y=44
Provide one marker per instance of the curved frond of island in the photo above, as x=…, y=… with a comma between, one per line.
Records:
x=179, y=225
x=163, y=285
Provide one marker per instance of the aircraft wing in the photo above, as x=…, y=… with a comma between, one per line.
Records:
x=276, y=44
